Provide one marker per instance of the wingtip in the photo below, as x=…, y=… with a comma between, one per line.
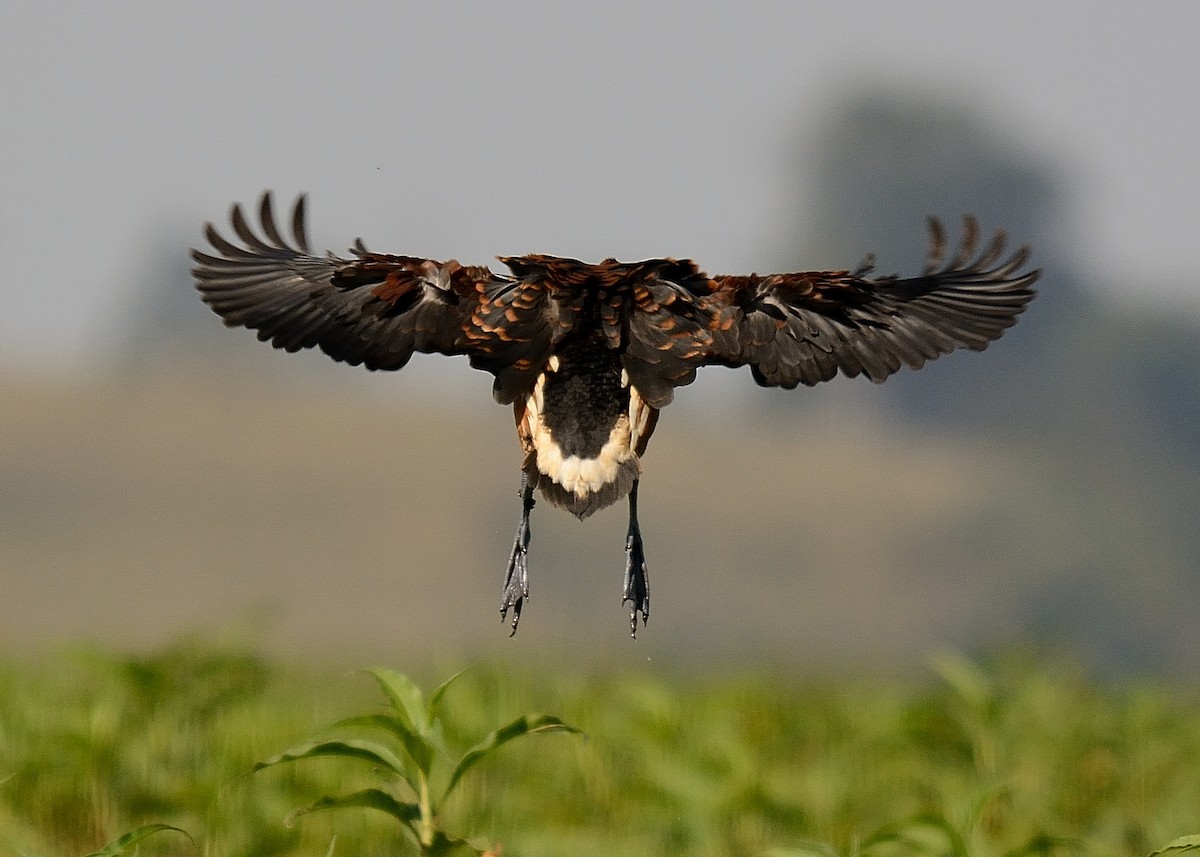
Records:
x=937, y=244
x=299, y=231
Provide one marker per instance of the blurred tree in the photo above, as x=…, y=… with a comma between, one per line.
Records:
x=1073, y=364
x=877, y=171
x=1107, y=397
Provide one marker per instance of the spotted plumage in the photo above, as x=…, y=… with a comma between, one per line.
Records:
x=587, y=354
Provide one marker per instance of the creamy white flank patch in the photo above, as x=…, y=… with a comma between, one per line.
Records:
x=582, y=476
x=639, y=413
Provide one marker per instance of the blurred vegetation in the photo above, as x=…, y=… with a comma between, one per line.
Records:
x=407, y=749
x=1020, y=754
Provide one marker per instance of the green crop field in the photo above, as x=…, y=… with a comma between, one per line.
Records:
x=1016, y=755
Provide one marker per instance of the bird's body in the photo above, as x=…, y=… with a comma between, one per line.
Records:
x=580, y=428
x=588, y=354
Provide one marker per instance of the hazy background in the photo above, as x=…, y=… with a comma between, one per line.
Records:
x=160, y=474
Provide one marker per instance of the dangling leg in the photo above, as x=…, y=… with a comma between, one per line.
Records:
x=516, y=580
x=637, y=579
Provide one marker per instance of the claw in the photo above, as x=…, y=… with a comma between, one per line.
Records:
x=516, y=579
x=637, y=583
x=516, y=582
x=637, y=578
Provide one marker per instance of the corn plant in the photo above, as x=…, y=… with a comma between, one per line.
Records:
x=127, y=843
x=412, y=758
x=1181, y=845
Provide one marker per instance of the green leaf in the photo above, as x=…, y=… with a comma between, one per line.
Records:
x=405, y=813
x=444, y=846
x=407, y=700
x=803, y=849
x=970, y=683
x=1046, y=844
x=367, y=751
x=908, y=833
x=418, y=748
x=1179, y=846
x=121, y=845
x=435, y=698
x=527, y=725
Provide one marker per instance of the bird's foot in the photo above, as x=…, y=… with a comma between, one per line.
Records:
x=637, y=582
x=516, y=583
x=516, y=579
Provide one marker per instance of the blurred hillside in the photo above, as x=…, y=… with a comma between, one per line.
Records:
x=1046, y=489
x=1075, y=369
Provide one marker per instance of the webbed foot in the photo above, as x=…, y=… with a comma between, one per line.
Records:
x=637, y=582
x=637, y=579
x=516, y=579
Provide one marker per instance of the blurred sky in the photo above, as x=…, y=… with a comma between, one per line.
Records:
x=625, y=128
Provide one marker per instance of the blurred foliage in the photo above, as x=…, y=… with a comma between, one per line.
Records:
x=127, y=843
x=1017, y=755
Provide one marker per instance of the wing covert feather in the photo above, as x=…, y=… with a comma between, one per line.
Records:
x=674, y=328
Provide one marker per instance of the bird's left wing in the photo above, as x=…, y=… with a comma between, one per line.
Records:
x=803, y=328
x=373, y=309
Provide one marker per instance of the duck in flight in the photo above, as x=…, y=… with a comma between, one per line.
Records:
x=588, y=354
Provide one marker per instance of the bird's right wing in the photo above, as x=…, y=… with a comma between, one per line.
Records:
x=373, y=309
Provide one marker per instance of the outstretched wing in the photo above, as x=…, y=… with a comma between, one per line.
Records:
x=373, y=309
x=803, y=328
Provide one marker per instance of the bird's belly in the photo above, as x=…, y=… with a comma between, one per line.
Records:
x=584, y=474
x=582, y=451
